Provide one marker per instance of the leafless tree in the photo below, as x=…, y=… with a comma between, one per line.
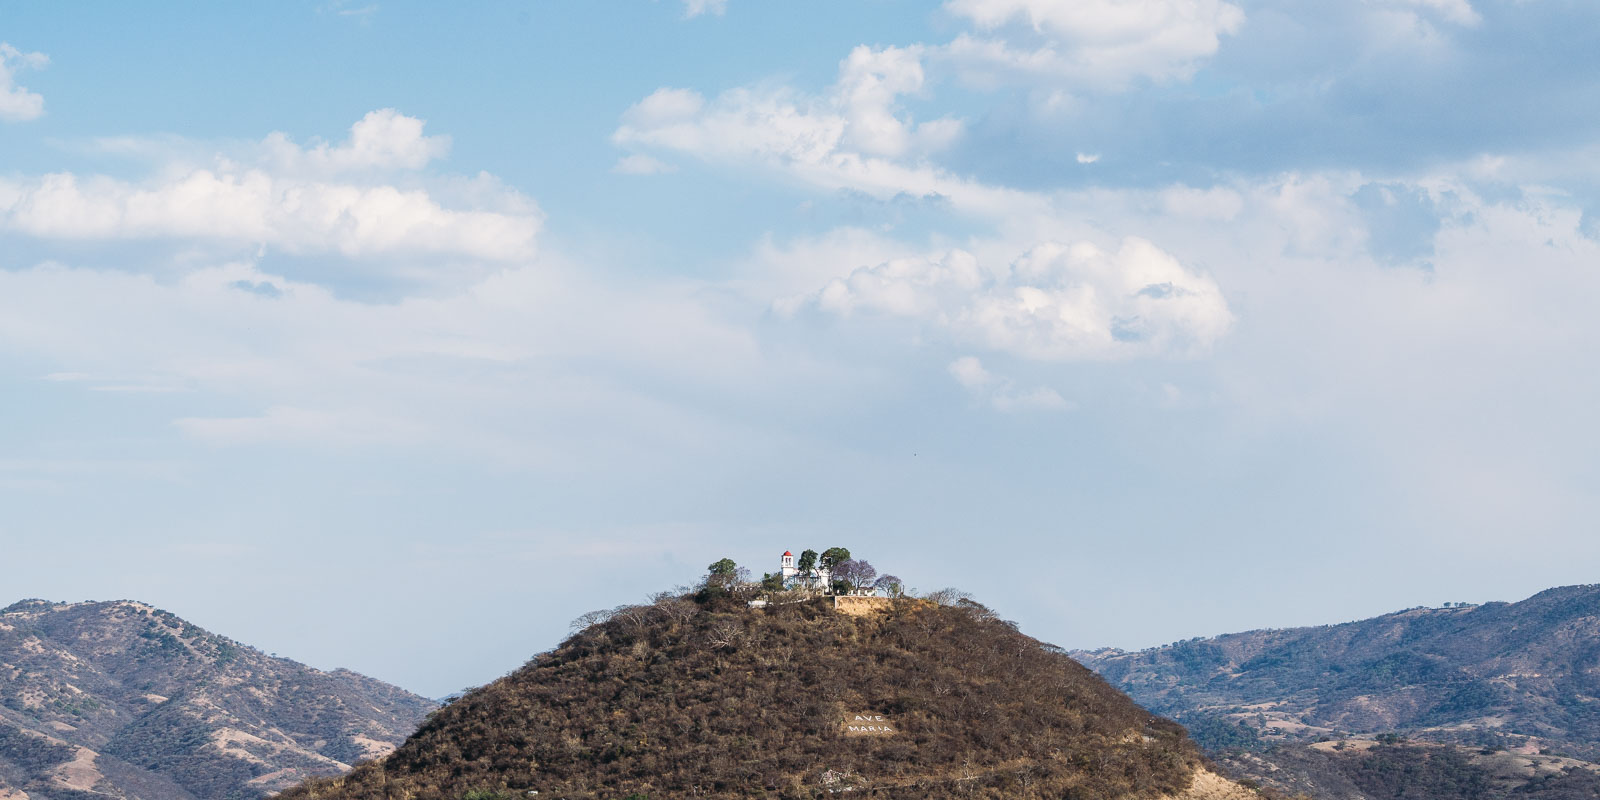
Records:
x=859, y=574
x=591, y=619
x=727, y=634
x=948, y=596
x=890, y=585
x=674, y=607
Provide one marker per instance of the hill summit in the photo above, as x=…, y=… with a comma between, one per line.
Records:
x=124, y=700
x=703, y=696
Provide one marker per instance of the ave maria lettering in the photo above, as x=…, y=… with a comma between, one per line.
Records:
x=867, y=723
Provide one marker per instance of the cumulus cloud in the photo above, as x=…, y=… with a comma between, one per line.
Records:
x=858, y=116
x=253, y=206
x=854, y=136
x=291, y=202
x=1098, y=44
x=1002, y=394
x=383, y=139
x=859, y=134
x=17, y=104
x=1056, y=302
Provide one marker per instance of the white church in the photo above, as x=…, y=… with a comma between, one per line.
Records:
x=817, y=577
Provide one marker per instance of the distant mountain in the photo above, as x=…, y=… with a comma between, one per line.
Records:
x=1471, y=688
x=703, y=696
x=122, y=700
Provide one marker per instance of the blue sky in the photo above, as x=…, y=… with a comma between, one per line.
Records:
x=392, y=337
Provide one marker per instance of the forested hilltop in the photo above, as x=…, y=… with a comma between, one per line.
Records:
x=123, y=700
x=1479, y=701
x=701, y=695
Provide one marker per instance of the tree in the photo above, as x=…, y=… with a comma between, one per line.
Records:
x=808, y=561
x=772, y=581
x=949, y=597
x=890, y=585
x=724, y=574
x=833, y=556
x=857, y=575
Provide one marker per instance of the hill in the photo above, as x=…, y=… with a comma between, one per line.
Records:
x=1463, y=689
x=701, y=696
x=122, y=700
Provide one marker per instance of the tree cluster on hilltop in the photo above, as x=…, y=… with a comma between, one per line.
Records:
x=834, y=569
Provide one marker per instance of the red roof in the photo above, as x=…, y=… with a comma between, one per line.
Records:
x=787, y=553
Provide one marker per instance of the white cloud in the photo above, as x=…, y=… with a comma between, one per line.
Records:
x=1094, y=44
x=1001, y=394
x=1217, y=203
x=290, y=202
x=694, y=8
x=870, y=82
x=969, y=372
x=1056, y=302
x=383, y=139
x=797, y=267
x=858, y=134
x=853, y=136
x=17, y=104
x=252, y=206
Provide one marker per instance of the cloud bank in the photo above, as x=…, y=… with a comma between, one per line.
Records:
x=298, y=199
x=1055, y=302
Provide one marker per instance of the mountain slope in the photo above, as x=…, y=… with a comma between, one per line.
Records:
x=1493, y=701
x=1499, y=674
x=714, y=699
x=124, y=700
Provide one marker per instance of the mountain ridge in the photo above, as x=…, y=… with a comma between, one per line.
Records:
x=1508, y=673
x=119, y=699
x=1449, y=696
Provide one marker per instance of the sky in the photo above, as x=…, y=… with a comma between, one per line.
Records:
x=394, y=336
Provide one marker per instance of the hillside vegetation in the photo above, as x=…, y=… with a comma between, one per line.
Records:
x=123, y=700
x=708, y=698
